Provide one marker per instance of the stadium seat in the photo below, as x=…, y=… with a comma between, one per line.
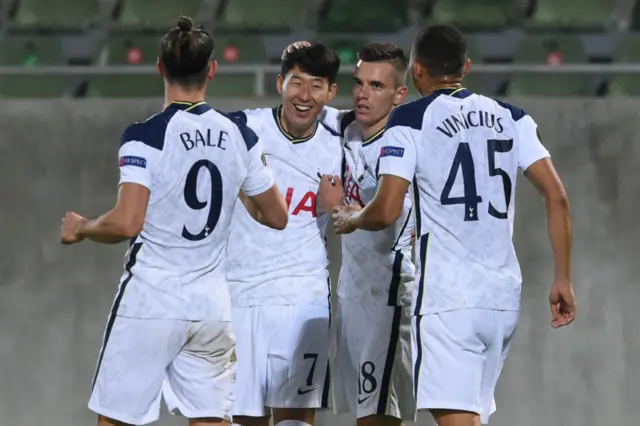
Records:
x=486, y=14
x=125, y=50
x=56, y=15
x=365, y=15
x=628, y=51
x=540, y=50
x=241, y=50
x=573, y=14
x=32, y=52
x=155, y=14
x=147, y=48
x=260, y=15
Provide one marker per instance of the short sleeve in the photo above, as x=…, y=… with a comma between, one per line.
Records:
x=398, y=153
x=333, y=118
x=137, y=161
x=259, y=178
x=530, y=148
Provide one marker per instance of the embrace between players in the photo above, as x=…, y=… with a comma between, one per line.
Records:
x=226, y=214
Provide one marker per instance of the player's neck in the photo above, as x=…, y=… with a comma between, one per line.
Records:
x=445, y=84
x=176, y=94
x=370, y=131
x=294, y=131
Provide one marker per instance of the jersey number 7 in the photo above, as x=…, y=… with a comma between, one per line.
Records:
x=464, y=160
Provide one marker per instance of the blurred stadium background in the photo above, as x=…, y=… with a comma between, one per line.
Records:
x=87, y=48
x=68, y=67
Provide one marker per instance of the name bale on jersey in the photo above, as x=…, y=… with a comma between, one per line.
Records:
x=475, y=118
x=192, y=140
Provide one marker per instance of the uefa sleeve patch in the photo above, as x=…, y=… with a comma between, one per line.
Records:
x=391, y=151
x=131, y=160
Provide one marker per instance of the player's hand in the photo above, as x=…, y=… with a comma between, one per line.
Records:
x=294, y=46
x=330, y=192
x=563, y=304
x=341, y=217
x=413, y=236
x=69, y=228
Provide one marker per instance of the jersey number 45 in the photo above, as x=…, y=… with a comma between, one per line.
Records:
x=464, y=160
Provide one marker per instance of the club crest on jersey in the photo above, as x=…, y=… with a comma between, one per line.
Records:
x=132, y=160
x=391, y=151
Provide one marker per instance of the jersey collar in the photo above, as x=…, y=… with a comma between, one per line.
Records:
x=277, y=114
x=456, y=92
x=374, y=138
x=196, y=108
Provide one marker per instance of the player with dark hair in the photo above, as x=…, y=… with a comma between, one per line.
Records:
x=461, y=153
x=169, y=331
x=372, y=376
x=279, y=281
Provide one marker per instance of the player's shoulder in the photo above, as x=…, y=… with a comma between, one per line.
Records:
x=515, y=111
x=410, y=114
x=151, y=132
x=238, y=120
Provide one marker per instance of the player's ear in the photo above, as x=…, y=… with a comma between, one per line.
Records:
x=467, y=67
x=213, y=66
x=159, y=65
x=333, y=91
x=401, y=94
x=279, y=84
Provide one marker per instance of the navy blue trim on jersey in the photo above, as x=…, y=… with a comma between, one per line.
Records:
x=516, y=113
x=329, y=129
x=196, y=108
x=277, y=114
x=422, y=258
x=418, y=363
x=150, y=132
x=385, y=386
x=404, y=226
x=396, y=277
x=133, y=254
x=412, y=114
x=239, y=118
x=346, y=120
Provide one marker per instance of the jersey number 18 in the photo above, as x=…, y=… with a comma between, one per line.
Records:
x=464, y=160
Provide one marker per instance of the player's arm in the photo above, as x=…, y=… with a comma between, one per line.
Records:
x=536, y=165
x=396, y=171
x=122, y=222
x=126, y=219
x=260, y=194
x=543, y=176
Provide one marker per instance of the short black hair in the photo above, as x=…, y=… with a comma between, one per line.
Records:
x=185, y=54
x=316, y=60
x=388, y=53
x=442, y=49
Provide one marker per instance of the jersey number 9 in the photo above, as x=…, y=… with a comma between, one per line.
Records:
x=464, y=160
x=191, y=198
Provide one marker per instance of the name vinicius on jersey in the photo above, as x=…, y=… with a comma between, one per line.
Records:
x=192, y=140
x=466, y=120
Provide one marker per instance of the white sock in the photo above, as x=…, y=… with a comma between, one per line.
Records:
x=291, y=423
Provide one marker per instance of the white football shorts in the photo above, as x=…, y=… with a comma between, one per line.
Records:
x=283, y=356
x=190, y=363
x=371, y=360
x=458, y=356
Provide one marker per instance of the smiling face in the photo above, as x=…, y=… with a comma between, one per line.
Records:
x=376, y=90
x=303, y=97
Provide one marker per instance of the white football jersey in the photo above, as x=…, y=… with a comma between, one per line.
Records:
x=194, y=160
x=462, y=152
x=288, y=267
x=376, y=266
